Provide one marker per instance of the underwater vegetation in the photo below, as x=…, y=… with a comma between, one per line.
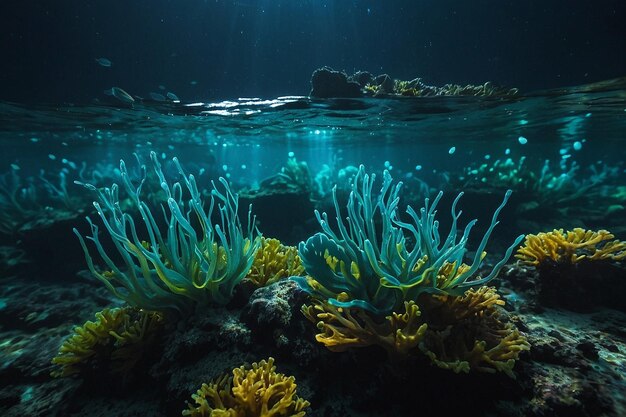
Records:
x=334, y=176
x=274, y=261
x=372, y=286
x=357, y=267
x=375, y=308
x=417, y=88
x=294, y=177
x=35, y=201
x=551, y=191
x=115, y=342
x=584, y=262
x=374, y=276
x=573, y=246
x=327, y=82
x=28, y=201
x=255, y=391
x=175, y=271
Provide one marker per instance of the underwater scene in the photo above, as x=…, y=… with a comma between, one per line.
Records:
x=341, y=235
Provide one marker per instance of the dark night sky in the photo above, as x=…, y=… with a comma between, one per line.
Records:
x=270, y=47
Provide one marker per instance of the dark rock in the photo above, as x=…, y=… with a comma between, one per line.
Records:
x=588, y=349
x=582, y=286
x=273, y=314
x=272, y=307
x=327, y=83
x=363, y=78
x=45, y=399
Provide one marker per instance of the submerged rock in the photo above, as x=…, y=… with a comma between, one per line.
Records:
x=327, y=83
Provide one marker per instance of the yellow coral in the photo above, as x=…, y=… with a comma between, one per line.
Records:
x=256, y=391
x=344, y=328
x=501, y=357
x=274, y=261
x=117, y=338
x=474, y=303
x=466, y=333
x=456, y=333
x=449, y=271
x=571, y=246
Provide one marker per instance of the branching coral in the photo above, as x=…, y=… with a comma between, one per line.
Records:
x=274, y=261
x=376, y=269
x=571, y=247
x=19, y=201
x=116, y=341
x=370, y=288
x=470, y=332
x=456, y=333
x=172, y=271
x=344, y=328
x=256, y=391
x=294, y=177
x=549, y=192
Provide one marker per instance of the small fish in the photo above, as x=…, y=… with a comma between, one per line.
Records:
x=104, y=62
x=120, y=94
x=173, y=97
x=157, y=97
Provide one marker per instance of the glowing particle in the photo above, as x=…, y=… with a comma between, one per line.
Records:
x=34, y=140
x=15, y=167
x=577, y=146
x=588, y=115
x=452, y=150
x=418, y=167
x=120, y=94
x=507, y=151
x=523, y=122
x=52, y=157
x=70, y=163
x=243, y=166
x=522, y=140
x=157, y=97
x=487, y=157
x=225, y=167
x=104, y=62
x=291, y=154
x=387, y=164
x=562, y=151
